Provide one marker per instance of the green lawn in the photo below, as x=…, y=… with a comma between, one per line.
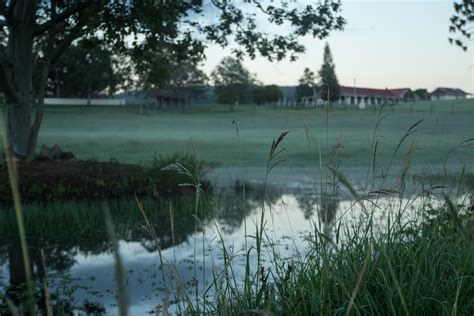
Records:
x=122, y=133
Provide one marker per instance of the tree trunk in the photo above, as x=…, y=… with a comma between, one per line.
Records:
x=20, y=52
x=34, y=131
x=89, y=95
x=17, y=288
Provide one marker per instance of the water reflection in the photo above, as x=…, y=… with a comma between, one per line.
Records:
x=69, y=246
x=237, y=202
x=60, y=235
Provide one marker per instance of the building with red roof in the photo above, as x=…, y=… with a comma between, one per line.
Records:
x=370, y=96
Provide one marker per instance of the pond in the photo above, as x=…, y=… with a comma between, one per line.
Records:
x=177, y=248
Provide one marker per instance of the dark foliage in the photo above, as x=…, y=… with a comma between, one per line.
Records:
x=60, y=180
x=329, y=85
x=266, y=94
x=233, y=82
x=86, y=69
x=462, y=23
x=306, y=85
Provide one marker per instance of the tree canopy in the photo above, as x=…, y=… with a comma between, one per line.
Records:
x=265, y=94
x=86, y=68
x=152, y=34
x=329, y=85
x=422, y=94
x=186, y=78
x=306, y=84
x=232, y=81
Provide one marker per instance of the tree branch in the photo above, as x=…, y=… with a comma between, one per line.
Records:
x=58, y=52
x=12, y=6
x=58, y=18
x=40, y=90
x=7, y=12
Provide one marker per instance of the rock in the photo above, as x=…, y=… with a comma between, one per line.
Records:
x=67, y=155
x=45, y=153
x=54, y=153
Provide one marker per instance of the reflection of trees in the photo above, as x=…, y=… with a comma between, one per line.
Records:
x=232, y=208
x=325, y=204
x=16, y=289
x=329, y=204
x=235, y=203
x=328, y=208
x=307, y=202
x=57, y=233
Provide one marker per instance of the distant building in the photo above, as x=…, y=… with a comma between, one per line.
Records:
x=368, y=96
x=448, y=94
x=312, y=101
x=169, y=98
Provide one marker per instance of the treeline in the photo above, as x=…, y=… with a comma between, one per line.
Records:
x=91, y=69
x=235, y=84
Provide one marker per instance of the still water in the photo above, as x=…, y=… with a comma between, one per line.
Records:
x=178, y=245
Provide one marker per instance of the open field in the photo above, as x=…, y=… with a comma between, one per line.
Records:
x=104, y=133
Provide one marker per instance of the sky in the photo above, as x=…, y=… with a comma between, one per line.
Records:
x=385, y=44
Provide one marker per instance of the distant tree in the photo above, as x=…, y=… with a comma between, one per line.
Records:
x=306, y=85
x=423, y=94
x=188, y=79
x=86, y=68
x=233, y=82
x=462, y=23
x=328, y=79
x=265, y=94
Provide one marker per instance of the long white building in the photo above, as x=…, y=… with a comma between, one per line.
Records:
x=369, y=96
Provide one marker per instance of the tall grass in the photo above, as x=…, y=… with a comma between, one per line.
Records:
x=12, y=173
x=405, y=270
x=119, y=272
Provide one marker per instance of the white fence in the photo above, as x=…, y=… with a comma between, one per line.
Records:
x=81, y=102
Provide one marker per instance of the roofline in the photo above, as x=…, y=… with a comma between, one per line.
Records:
x=357, y=87
x=447, y=88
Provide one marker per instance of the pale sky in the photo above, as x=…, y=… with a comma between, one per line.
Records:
x=390, y=44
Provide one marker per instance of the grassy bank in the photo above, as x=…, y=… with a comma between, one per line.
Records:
x=41, y=181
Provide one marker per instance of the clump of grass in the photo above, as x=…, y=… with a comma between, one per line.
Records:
x=465, y=178
x=425, y=268
x=170, y=178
